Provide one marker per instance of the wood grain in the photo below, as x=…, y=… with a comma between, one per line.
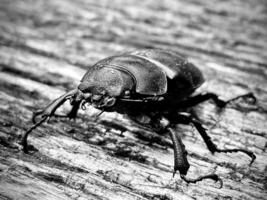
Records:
x=46, y=47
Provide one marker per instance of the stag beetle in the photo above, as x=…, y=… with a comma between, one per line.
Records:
x=150, y=84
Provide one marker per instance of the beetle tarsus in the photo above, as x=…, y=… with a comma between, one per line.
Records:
x=214, y=177
x=213, y=148
x=249, y=153
x=194, y=100
x=187, y=118
x=24, y=142
x=249, y=96
x=220, y=103
x=181, y=163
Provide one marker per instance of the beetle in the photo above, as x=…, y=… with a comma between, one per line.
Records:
x=150, y=86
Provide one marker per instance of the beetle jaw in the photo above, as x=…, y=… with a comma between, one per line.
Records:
x=100, y=101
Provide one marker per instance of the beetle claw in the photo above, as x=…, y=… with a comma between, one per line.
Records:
x=35, y=115
x=174, y=172
x=253, y=157
x=249, y=97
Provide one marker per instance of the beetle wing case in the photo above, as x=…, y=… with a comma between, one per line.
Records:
x=153, y=72
x=175, y=66
x=149, y=79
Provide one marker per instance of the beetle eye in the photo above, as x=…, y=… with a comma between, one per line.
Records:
x=127, y=93
x=110, y=102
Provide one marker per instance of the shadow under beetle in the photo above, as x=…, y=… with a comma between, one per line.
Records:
x=150, y=84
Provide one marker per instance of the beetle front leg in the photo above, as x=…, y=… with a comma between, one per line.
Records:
x=49, y=110
x=72, y=114
x=24, y=141
x=180, y=158
x=74, y=110
x=187, y=118
x=45, y=115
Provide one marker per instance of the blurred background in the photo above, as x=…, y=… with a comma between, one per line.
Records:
x=47, y=45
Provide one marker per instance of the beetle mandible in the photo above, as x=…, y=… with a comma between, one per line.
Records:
x=151, y=83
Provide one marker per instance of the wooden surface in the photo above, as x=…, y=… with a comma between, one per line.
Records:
x=47, y=45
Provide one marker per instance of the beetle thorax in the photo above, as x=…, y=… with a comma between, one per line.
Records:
x=106, y=80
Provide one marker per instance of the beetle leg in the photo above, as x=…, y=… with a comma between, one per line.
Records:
x=180, y=154
x=73, y=112
x=51, y=108
x=181, y=163
x=187, y=118
x=144, y=100
x=214, y=177
x=24, y=142
x=45, y=115
x=192, y=101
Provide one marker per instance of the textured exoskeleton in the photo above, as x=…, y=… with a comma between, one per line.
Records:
x=151, y=84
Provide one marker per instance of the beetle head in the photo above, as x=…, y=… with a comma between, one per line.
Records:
x=103, y=86
x=96, y=99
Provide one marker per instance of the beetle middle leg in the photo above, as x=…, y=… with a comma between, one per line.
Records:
x=194, y=100
x=187, y=118
x=180, y=157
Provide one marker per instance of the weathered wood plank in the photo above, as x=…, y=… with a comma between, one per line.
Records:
x=45, y=48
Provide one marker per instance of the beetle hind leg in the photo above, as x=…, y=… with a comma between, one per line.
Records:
x=186, y=118
x=213, y=148
x=181, y=163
